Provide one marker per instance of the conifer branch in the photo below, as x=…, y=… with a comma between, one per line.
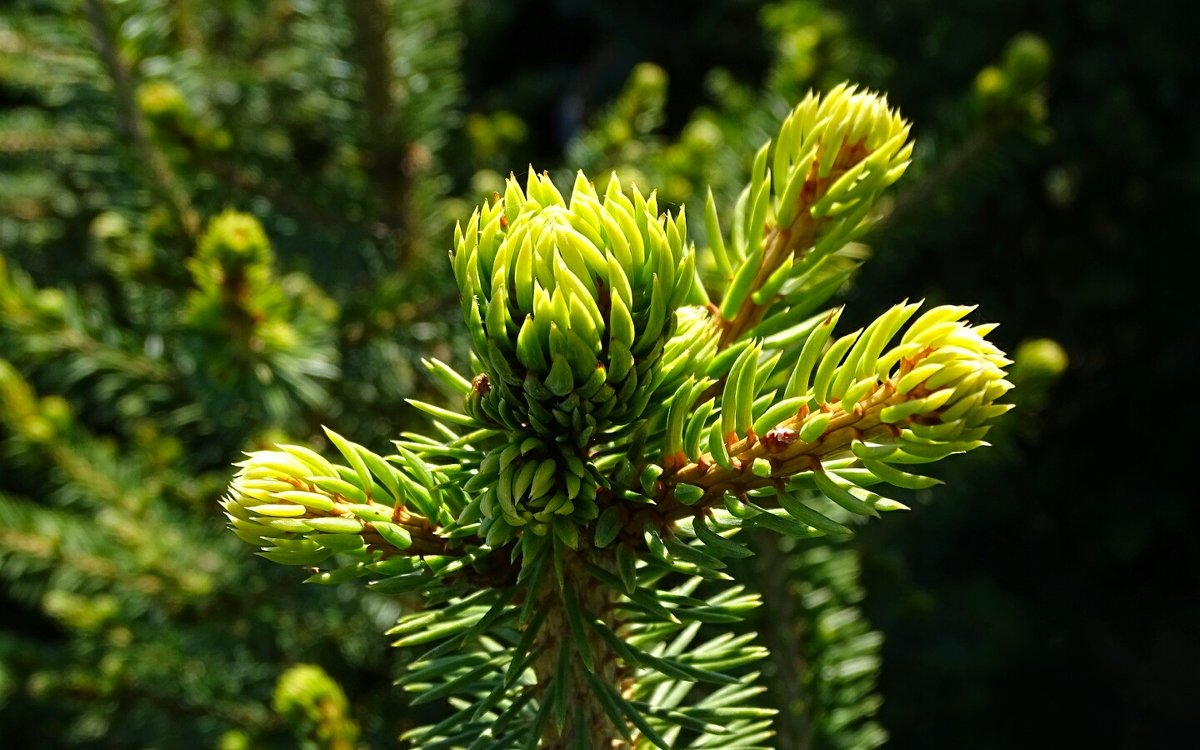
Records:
x=161, y=177
x=612, y=401
x=387, y=158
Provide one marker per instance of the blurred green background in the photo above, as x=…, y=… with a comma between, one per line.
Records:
x=1048, y=596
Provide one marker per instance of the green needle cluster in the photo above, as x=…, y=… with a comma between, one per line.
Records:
x=569, y=306
x=301, y=509
x=841, y=417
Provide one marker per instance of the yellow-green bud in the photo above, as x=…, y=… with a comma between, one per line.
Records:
x=306, y=694
x=990, y=84
x=109, y=226
x=234, y=240
x=938, y=385
x=235, y=739
x=1039, y=362
x=951, y=374
x=300, y=509
x=1027, y=61
x=161, y=100
x=569, y=304
x=50, y=301
x=844, y=147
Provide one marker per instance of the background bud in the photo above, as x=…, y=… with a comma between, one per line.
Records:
x=235, y=240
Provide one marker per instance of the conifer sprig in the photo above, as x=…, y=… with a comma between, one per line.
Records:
x=838, y=420
x=572, y=521
x=810, y=193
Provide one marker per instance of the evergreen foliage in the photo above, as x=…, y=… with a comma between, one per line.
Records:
x=149, y=334
x=145, y=344
x=568, y=525
x=828, y=655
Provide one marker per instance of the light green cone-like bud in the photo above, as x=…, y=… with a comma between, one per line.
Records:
x=569, y=304
x=843, y=149
x=233, y=264
x=1027, y=61
x=952, y=376
x=300, y=508
x=938, y=385
x=312, y=701
x=1040, y=361
x=811, y=191
x=162, y=101
x=234, y=240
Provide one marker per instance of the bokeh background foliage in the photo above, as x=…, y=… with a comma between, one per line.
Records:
x=225, y=223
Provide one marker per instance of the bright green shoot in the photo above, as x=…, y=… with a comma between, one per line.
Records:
x=632, y=404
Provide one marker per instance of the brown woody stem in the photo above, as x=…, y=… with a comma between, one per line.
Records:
x=575, y=701
x=797, y=456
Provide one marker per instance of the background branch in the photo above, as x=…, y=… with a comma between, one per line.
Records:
x=162, y=179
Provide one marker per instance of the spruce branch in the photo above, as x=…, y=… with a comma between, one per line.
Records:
x=810, y=193
x=47, y=325
x=275, y=333
x=303, y=509
x=928, y=397
x=570, y=522
x=101, y=535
